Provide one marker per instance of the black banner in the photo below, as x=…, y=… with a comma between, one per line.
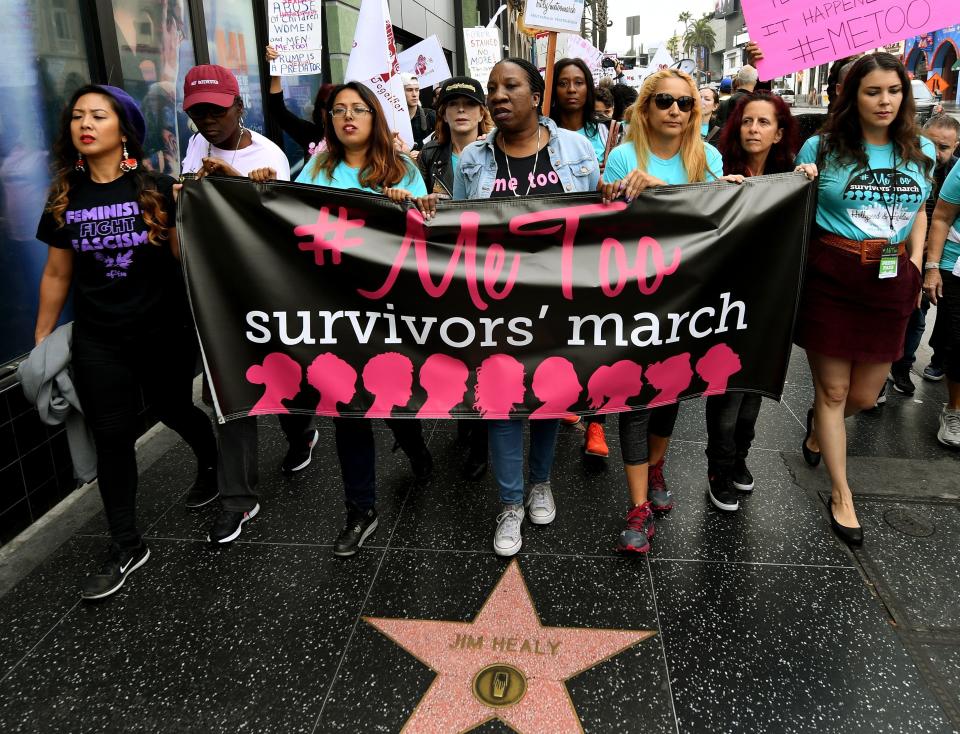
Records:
x=341, y=303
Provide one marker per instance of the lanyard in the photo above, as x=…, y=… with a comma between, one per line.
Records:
x=890, y=207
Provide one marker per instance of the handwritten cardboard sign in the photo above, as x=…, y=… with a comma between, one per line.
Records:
x=799, y=34
x=296, y=34
x=426, y=62
x=580, y=48
x=554, y=15
x=484, y=49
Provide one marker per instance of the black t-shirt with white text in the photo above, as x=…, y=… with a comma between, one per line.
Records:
x=543, y=180
x=123, y=285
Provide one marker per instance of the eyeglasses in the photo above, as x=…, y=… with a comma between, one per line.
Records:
x=356, y=111
x=200, y=111
x=665, y=101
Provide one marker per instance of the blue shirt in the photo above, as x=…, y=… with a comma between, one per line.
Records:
x=599, y=143
x=858, y=203
x=623, y=159
x=950, y=193
x=345, y=177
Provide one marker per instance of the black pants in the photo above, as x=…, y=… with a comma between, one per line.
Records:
x=109, y=376
x=637, y=425
x=731, y=423
x=357, y=453
x=237, y=473
x=950, y=308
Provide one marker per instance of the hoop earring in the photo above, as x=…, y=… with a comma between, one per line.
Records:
x=127, y=163
x=80, y=166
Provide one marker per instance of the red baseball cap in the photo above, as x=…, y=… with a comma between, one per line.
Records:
x=210, y=84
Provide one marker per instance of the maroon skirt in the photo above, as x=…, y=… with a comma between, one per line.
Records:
x=848, y=312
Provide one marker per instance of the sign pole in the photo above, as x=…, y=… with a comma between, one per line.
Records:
x=548, y=74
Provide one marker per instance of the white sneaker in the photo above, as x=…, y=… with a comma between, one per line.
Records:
x=540, y=505
x=949, y=433
x=508, y=538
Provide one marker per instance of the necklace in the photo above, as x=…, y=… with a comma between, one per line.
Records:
x=234, y=156
x=536, y=158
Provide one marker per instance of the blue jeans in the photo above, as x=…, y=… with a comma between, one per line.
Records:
x=506, y=454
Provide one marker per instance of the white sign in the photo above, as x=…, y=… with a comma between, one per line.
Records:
x=484, y=49
x=297, y=35
x=661, y=59
x=426, y=62
x=580, y=48
x=554, y=15
x=373, y=62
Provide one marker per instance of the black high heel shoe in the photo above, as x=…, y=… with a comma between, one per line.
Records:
x=809, y=455
x=850, y=536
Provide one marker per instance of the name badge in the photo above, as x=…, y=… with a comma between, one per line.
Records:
x=888, y=260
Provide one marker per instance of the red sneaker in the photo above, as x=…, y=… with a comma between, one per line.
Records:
x=635, y=537
x=595, y=443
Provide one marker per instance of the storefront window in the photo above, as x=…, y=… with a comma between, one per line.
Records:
x=156, y=52
x=44, y=61
x=233, y=44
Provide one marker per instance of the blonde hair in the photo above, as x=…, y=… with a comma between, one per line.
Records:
x=692, y=153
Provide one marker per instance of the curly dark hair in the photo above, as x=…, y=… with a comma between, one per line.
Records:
x=588, y=120
x=623, y=97
x=152, y=203
x=842, y=136
x=780, y=159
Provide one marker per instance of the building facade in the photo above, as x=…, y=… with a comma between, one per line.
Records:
x=936, y=53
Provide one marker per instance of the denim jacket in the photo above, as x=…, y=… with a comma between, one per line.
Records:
x=571, y=155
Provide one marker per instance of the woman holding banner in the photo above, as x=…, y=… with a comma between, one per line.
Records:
x=111, y=228
x=663, y=147
x=360, y=155
x=863, y=273
x=526, y=155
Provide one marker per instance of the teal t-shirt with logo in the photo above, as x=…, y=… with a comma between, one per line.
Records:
x=345, y=177
x=623, y=159
x=599, y=143
x=950, y=193
x=858, y=203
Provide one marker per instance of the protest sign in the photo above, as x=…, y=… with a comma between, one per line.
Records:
x=484, y=49
x=373, y=62
x=343, y=303
x=799, y=34
x=426, y=62
x=580, y=48
x=297, y=35
x=554, y=15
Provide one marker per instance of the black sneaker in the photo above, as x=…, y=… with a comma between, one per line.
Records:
x=360, y=526
x=742, y=478
x=227, y=524
x=422, y=467
x=722, y=494
x=902, y=382
x=114, y=572
x=300, y=452
x=203, y=491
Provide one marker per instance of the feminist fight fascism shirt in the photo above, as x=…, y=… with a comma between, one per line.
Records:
x=520, y=172
x=122, y=284
x=857, y=203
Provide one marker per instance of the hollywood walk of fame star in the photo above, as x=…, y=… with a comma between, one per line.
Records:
x=504, y=664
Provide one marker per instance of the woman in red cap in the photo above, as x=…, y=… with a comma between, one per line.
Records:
x=111, y=230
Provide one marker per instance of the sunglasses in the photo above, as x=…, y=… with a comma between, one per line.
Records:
x=665, y=101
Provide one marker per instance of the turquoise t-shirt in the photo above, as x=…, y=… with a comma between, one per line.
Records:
x=454, y=161
x=950, y=192
x=623, y=159
x=599, y=144
x=851, y=200
x=704, y=129
x=345, y=177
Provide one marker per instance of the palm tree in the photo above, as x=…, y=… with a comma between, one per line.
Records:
x=700, y=39
x=685, y=18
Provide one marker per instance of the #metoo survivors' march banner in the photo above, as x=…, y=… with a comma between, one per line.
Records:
x=341, y=303
x=799, y=34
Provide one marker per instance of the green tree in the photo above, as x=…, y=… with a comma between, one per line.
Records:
x=673, y=46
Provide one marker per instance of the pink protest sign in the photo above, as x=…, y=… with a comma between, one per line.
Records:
x=799, y=34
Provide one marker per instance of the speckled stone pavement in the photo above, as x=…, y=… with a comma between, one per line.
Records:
x=764, y=622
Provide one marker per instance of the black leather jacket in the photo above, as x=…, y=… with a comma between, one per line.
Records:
x=434, y=163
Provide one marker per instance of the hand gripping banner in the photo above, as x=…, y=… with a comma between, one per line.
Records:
x=337, y=302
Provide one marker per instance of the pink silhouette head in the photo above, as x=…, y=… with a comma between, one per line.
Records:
x=614, y=384
x=556, y=383
x=389, y=376
x=716, y=367
x=445, y=380
x=499, y=385
x=335, y=380
x=671, y=377
x=280, y=376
